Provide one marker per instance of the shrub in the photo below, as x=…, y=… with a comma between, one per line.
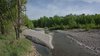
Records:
x=89, y=26
x=57, y=27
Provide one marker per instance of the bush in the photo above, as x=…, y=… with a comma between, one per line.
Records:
x=57, y=27
x=89, y=26
x=2, y=37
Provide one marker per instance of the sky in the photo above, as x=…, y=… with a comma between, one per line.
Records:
x=40, y=8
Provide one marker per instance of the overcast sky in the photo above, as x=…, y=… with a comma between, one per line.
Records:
x=39, y=8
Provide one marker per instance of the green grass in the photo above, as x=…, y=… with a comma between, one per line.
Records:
x=9, y=46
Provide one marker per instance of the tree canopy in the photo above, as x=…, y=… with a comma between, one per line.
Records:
x=69, y=21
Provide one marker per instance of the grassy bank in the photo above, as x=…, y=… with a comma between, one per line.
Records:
x=9, y=46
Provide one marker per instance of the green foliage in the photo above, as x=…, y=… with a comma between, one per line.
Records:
x=9, y=12
x=2, y=37
x=28, y=23
x=57, y=27
x=69, y=21
x=9, y=46
x=89, y=26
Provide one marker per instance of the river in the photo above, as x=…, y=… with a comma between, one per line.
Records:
x=63, y=46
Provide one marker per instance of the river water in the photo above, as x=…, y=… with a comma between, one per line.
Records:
x=64, y=46
x=44, y=51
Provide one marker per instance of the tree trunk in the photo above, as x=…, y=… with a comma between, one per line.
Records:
x=17, y=29
x=17, y=33
x=2, y=27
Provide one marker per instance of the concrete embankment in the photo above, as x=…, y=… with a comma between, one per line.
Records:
x=41, y=41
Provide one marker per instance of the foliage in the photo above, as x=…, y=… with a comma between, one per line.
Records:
x=57, y=27
x=9, y=46
x=69, y=21
x=10, y=13
x=27, y=22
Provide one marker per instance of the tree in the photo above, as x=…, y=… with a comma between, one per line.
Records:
x=3, y=14
x=11, y=10
x=20, y=5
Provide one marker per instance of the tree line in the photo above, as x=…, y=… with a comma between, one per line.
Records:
x=69, y=21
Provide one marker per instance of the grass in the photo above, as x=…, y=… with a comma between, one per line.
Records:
x=9, y=46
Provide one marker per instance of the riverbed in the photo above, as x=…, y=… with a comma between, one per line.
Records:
x=72, y=43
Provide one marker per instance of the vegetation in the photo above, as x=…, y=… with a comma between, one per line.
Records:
x=9, y=46
x=12, y=16
x=28, y=23
x=69, y=22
